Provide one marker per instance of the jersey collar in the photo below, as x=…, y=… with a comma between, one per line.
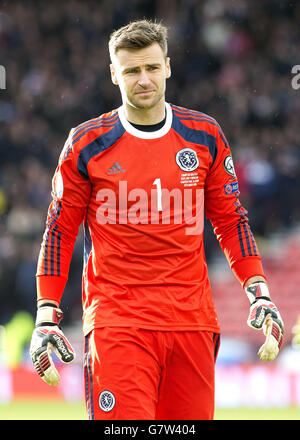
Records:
x=143, y=134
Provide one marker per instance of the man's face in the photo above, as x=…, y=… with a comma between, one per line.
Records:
x=141, y=75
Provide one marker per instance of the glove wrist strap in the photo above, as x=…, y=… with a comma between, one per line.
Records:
x=256, y=291
x=48, y=315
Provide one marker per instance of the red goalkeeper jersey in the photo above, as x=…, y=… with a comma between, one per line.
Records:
x=142, y=197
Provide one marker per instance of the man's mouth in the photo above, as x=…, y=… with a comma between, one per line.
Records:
x=145, y=92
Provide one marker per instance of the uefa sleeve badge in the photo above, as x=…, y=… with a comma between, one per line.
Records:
x=229, y=167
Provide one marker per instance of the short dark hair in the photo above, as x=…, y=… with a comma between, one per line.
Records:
x=138, y=35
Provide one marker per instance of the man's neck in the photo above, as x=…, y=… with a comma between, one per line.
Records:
x=146, y=116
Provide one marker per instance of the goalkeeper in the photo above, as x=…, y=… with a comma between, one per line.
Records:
x=151, y=329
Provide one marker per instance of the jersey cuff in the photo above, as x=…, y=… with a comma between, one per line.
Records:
x=50, y=287
x=247, y=268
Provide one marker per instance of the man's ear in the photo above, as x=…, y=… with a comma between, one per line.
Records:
x=113, y=75
x=168, y=67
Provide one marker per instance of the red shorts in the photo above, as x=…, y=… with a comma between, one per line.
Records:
x=136, y=374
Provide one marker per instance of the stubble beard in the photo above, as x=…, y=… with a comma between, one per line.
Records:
x=146, y=104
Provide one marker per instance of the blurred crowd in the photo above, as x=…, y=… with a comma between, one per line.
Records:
x=231, y=59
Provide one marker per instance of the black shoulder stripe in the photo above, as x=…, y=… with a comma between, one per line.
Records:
x=98, y=145
x=198, y=137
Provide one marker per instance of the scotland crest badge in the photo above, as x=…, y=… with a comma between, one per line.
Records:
x=187, y=159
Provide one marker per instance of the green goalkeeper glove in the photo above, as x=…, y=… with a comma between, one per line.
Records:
x=48, y=336
x=265, y=315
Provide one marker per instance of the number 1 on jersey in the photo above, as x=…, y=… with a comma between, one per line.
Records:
x=157, y=183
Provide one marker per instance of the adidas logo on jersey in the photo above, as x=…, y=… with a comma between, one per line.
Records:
x=116, y=168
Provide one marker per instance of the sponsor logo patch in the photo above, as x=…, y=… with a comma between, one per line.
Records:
x=116, y=168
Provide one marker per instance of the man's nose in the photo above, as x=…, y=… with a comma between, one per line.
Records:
x=144, y=79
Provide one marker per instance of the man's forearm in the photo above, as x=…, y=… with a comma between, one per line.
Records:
x=254, y=279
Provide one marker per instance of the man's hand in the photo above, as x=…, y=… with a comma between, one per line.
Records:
x=47, y=336
x=265, y=315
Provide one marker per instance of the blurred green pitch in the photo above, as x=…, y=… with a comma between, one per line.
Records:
x=61, y=410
